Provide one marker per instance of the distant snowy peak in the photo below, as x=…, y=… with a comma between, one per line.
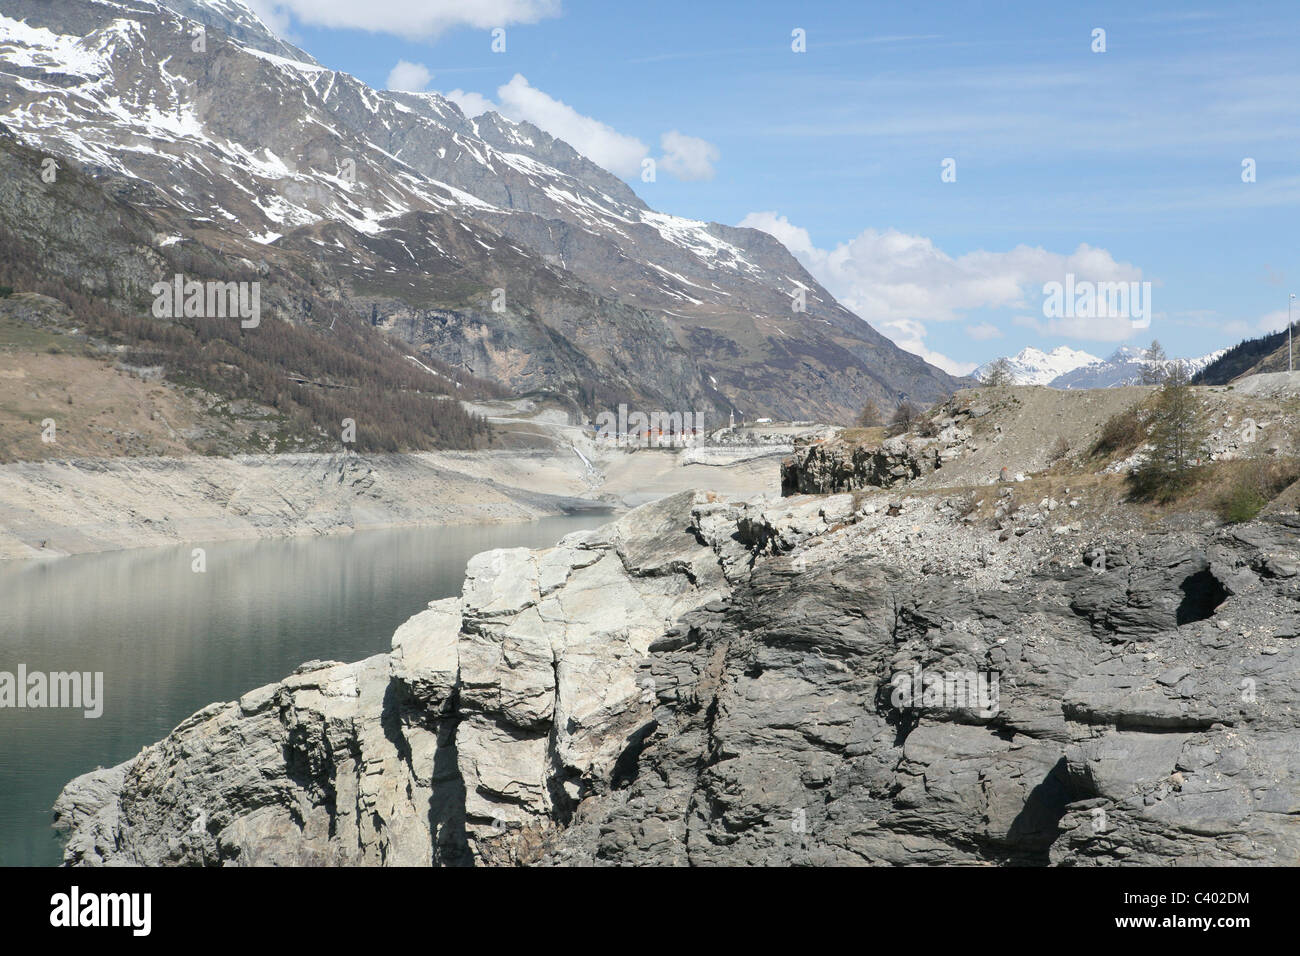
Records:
x=1065, y=367
x=1124, y=367
x=1033, y=366
x=1070, y=368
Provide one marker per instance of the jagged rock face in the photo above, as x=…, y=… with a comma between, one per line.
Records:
x=710, y=683
x=835, y=466
x=493, y=715
x=774, y=741
x=839, y=466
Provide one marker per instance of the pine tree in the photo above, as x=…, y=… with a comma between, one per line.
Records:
x=1175, y=438
x=999, y=373
x=1153, y=364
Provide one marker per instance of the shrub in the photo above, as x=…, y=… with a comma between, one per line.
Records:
x=925, y=427
x=1123, y=431
x=904, y=415
x=1253, y=486
x=1240, y=503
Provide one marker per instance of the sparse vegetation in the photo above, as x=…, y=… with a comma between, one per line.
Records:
x=999, y=373
x=1122, y=433
x=1241, y=503
x=1060, y=448
x=903, y=418
x=314, y=374
x=1252, y=485
x=1168, y=471
x=870, y=415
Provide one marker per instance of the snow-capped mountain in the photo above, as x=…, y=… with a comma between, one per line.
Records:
x=1065, y=367
x=1031, y=366
x=416, y=215
x=1124, y=367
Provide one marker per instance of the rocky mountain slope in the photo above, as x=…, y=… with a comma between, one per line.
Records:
x=711, y=683
x=78, y=259
x=411, y=216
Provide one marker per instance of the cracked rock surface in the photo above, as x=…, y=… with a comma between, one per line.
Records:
x=704, y=682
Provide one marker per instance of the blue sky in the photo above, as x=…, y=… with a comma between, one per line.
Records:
x=1116, y=165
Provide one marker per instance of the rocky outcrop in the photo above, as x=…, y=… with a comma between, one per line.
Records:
x=494, y=714
x=712, y=683
x=837, y=465
x=775, y=742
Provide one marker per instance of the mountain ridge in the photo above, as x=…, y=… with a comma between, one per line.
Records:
x=1064, y=367
x=239, y=144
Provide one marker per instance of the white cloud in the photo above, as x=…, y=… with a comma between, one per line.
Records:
x=414, y=19
x=909, y=335
x=687, y=157
x=600, y=143
x=471, y=104
x=409, y=77
x=984, y=331
x=899, y=282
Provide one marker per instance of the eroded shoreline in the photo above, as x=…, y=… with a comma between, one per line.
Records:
x=58, y=508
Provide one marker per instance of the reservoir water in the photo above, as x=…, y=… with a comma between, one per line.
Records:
x=170, y=640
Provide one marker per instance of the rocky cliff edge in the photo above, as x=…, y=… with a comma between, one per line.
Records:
x=705, y=682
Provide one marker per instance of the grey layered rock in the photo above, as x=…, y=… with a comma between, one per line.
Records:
x=712, y=683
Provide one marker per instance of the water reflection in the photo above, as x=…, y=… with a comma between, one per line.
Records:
x=170, y=641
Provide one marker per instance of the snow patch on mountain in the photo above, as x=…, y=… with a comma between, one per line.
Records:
x=1068, y=368
x=1033, y=366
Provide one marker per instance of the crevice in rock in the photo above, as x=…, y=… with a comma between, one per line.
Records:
x=1202, y=595
x=1037, y=825
x=628, y=765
